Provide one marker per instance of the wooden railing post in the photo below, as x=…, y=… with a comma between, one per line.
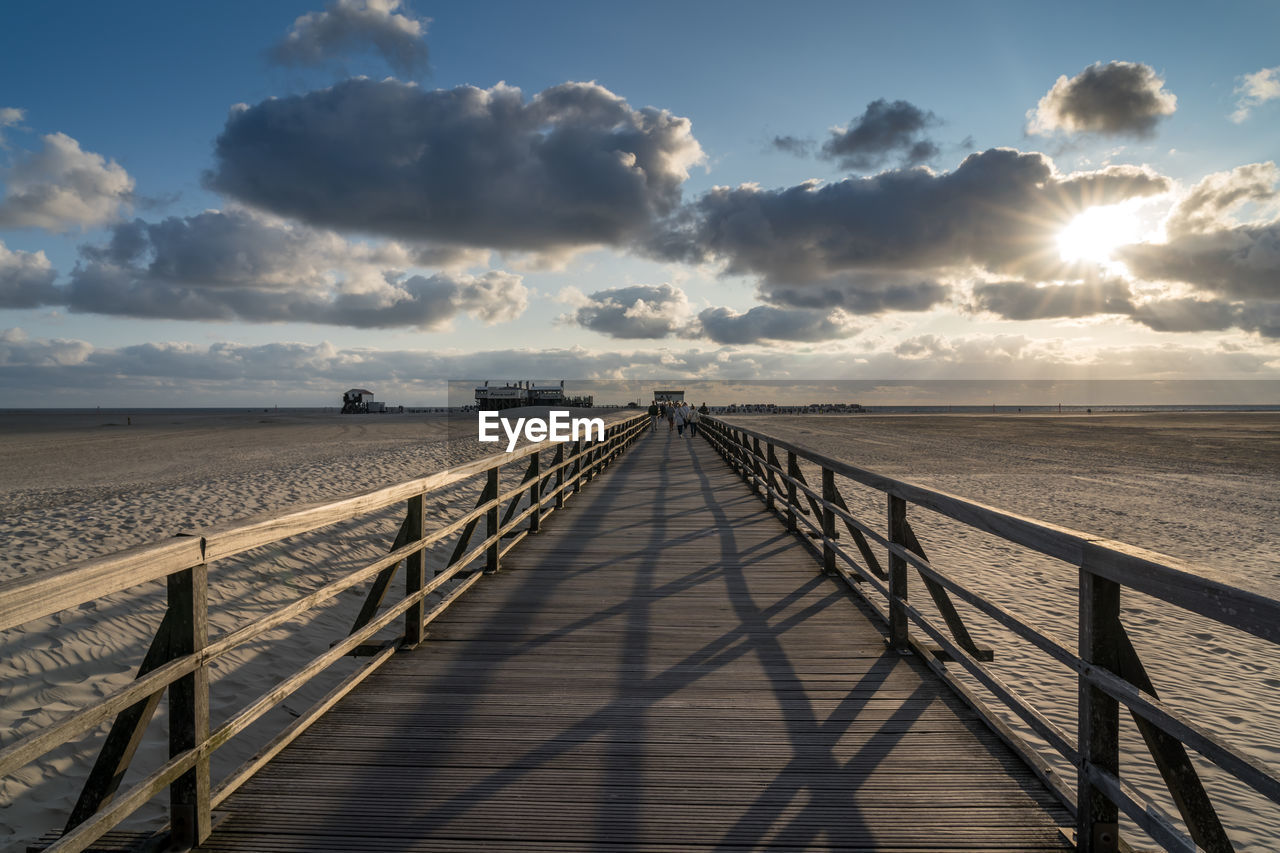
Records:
x=768, y=502
x=535, y=494
x=1098, y=721
x=792, y=503
x=415, y=566
x=491, y=523
x=559, y=463
x=828, y=521
x=898, y=575
x=189, y=805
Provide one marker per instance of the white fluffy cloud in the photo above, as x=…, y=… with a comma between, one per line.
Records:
x=241, y=265
x=26, y=279
x=354, y=26
x=1254, y=90
x=61, y=187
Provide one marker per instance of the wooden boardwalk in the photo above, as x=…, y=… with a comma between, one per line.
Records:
x=661, y=668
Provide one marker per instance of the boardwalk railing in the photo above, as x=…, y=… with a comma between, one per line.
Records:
x=1108, y=670
x=182, y=651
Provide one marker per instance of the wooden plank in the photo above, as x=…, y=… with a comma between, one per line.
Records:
x=1158, y=575
x=661, y=664
x=189, y=814
x=50, y=591
x=125, y=737
x=1098, y=717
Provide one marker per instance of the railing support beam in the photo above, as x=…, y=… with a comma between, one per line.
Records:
x=1098, y=720
x=898, y=576
x=189, y=811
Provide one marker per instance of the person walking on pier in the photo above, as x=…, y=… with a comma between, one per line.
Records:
x=654, y=412
x=679, y=415
x=692, y=417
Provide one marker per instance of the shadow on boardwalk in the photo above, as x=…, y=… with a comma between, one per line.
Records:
x=662, y=667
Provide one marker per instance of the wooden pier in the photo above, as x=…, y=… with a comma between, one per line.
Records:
x=663, y=667
x=690, y=656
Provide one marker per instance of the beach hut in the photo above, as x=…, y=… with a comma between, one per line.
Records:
x=356, y=401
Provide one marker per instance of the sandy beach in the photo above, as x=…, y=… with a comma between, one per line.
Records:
x=1200, y=487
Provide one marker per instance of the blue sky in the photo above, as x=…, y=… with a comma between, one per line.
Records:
x=358, y=225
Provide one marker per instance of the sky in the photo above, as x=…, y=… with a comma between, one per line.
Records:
x=268, y=203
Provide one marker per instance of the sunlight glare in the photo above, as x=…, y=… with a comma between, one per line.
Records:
x=1097, y=232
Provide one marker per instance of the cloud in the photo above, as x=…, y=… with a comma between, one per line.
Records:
x=239, y=265
x=1207, y=207
x=1207, y=249
x=637, y=311
x=26, y=279
x=1210, y=315
x=1240, y=262
x=68, y=372
x=882, y=131
x=18, y=351
x=1111, y=98
x=793, y=145
x=999, y=209
x=768, y=323
x=354, y=26
x=860, y=293
x=61, y=186
x=1018, y=300
x=9, y=117
x=1254, y=90
x=574, y=166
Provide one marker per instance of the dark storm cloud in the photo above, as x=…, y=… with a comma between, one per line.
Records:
x=884, y=131
x=26, y=279
x=1240, y=262
x=1017, y=300
x=355, y=26
x=1113, y=98
x=637, y=311
x=1210, y=315
x=999, y=209
x=575, y=166
x=767, y=323
x=237, y=265
x=870, y=293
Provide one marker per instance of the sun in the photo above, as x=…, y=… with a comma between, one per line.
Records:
x=1097, y=232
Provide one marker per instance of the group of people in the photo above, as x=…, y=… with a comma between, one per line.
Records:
x=678, y=416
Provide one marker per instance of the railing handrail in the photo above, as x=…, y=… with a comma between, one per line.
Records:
x=1108, y=668
x=182, y=650
x=1158, y=575
x=47, y=592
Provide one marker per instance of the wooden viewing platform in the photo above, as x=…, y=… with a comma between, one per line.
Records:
x=690, y=656
x=662, y=667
